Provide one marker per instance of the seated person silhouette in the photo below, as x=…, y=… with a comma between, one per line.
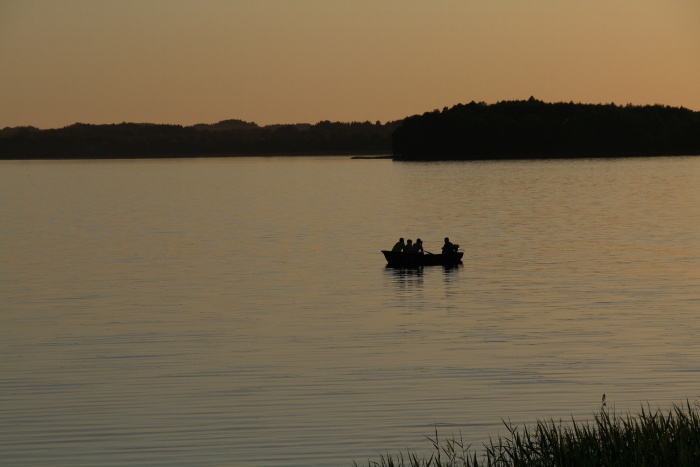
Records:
x=418, y=247
x=449, y=248
x=399, y=246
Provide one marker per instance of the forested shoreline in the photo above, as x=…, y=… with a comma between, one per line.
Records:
x=534, y=129
x=527, y=129
x=224, y=139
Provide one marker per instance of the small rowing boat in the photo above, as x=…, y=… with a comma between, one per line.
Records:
x=399, y=259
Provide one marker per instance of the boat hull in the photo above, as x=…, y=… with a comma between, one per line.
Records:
x=398, y=259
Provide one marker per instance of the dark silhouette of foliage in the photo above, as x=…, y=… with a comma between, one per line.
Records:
x=227, y=138
x=534, y=129
x=506, y=130
x=226, y=125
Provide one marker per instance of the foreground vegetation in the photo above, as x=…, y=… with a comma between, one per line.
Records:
x=651, y=438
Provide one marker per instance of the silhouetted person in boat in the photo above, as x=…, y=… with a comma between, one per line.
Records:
x=399, y=246
x=449, y=248
x=418, y=247
x=409, y=246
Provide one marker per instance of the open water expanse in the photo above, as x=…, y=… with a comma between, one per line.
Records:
x=238, y=312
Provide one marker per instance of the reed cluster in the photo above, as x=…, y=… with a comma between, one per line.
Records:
x=650, y=438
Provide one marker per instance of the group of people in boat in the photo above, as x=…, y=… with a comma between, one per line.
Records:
x=417, y=247
x=409, y=246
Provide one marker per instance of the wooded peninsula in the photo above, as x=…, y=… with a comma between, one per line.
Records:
x=529, y=129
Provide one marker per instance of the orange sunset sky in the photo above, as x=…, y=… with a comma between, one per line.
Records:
x=294, y=61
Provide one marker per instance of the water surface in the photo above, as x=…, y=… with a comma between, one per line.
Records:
x=239, y=312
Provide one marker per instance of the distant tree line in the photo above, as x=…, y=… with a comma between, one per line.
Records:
x=227, y=138
x=534, y=129
x=505, y=130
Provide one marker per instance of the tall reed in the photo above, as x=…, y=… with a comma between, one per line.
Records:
x=650, y=438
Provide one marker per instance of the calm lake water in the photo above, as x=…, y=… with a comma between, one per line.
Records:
x=222, y=312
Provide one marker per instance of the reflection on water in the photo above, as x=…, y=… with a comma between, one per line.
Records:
x=239, y=311
x=414, y=275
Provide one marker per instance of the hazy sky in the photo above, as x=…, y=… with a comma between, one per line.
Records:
x=293, y=61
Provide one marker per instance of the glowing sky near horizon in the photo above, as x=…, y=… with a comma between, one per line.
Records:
x=294, y=61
